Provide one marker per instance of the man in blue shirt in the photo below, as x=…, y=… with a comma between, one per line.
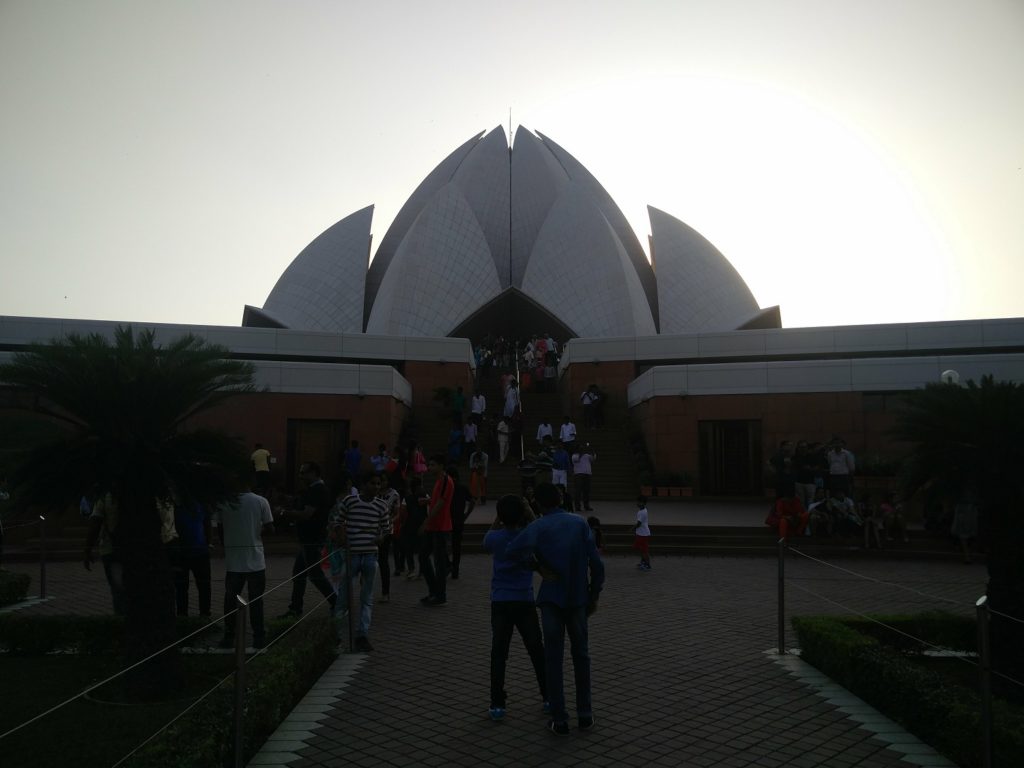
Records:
x=573, y=577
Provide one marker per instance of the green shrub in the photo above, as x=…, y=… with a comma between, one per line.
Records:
x=926, y=703
x=83, y=635
x=275, y=682
x=13, y=587
x=957, y=633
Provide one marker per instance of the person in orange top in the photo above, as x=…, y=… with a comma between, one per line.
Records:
x=436, y=533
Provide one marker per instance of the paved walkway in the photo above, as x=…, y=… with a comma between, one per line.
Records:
x=680, y=673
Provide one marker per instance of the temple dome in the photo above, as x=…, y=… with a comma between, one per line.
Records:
x=532, y=221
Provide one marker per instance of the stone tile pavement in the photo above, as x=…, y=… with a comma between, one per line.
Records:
x=680, y=673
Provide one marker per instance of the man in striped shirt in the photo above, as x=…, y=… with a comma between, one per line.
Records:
x=364, y=521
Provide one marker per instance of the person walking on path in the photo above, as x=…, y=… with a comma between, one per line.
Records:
x=191, y=555
x=478, y=461
x=564, y=546
x=478, y=404
x=392, y=500
x=582, y=472
x=242, y=525
x=415, y=514
x=462, y=507
x=437, y=533
x=567, y=433
x=353, y=460
x=512, y=605
x=364, y=519
x=503, y=432
x=314, y=506
x=642, y=534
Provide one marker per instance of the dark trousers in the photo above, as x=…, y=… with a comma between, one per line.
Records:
x=456, y=551
x=383, y=552
x=114, y=572
x=582, y=482
x=256, y=581
x=505, y=617
x=405, y=552
x=434, y=562
x=308, y=555
x=558, y=622
x=199, y=565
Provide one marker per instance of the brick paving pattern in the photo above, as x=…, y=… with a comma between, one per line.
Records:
x=680, y=676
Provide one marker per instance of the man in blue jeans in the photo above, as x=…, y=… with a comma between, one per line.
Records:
x=364, y=520
x=573, y=577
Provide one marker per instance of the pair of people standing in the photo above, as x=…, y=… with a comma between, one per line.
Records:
x=563, y=550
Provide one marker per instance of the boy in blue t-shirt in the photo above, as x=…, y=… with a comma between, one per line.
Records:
x=512, y=603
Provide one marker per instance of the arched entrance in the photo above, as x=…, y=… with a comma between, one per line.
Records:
x=513, y=314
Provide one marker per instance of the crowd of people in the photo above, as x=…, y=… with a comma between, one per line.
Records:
x=814, y=490
x=399, y=514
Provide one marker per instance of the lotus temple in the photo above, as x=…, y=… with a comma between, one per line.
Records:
x=354, y=340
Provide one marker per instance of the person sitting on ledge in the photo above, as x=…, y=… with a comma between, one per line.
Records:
x=788, y=516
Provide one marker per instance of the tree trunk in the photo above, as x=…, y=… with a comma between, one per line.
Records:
x=1005, y=591
x=150, y=623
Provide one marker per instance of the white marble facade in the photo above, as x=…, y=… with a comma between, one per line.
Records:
x=487, y=220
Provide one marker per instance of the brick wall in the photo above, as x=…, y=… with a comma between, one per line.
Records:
x=669, y=424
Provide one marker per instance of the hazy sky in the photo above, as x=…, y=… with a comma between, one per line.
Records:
x=858, y=161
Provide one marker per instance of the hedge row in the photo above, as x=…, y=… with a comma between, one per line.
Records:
x=945, y=715
x=13, y=587
x=83, y=635
x=275, y=682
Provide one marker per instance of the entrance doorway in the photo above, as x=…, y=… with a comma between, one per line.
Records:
x=730, y=458
x=319, y=440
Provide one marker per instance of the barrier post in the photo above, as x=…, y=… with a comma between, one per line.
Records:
x=239, y=678
x=782, y=598
x=42, y=556
x=985, y=672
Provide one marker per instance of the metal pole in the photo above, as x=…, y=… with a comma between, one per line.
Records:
x=239, y=677
x=782, y=598
x=42, y=556
x=985, y=671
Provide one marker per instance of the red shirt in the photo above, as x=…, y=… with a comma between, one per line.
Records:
x=789, y=507
x=444, y=488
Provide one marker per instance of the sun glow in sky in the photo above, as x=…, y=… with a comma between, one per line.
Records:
x=856, y=162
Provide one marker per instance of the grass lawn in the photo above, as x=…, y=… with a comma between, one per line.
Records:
x=94, y=731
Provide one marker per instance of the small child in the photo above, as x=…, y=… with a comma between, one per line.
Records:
x=512, y=605
x=642, y=537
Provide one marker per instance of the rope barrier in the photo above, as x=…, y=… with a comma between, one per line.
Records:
x=175, y=719
x=1005, y=615
x=8, y=527
x=202, y=698
x=294, y=624
x=1008, y=679
x=139, y=663
x=877, y=581
x=880, y=623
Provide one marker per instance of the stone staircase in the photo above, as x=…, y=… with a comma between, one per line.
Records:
x=615, y=475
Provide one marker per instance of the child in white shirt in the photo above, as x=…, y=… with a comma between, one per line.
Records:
x=642, y=537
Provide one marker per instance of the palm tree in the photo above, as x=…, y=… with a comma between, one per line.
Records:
x=970, y=439
x=123, y=408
